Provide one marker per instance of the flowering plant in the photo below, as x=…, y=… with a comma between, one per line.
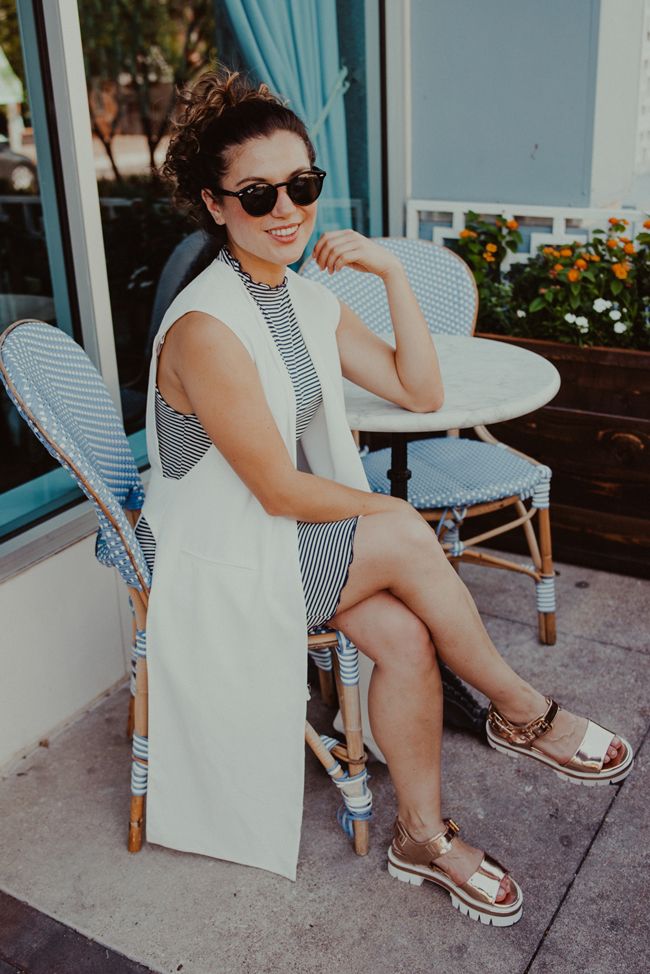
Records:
x=586, y=293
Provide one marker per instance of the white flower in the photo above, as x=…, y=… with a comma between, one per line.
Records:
x=614, y=315
x=582, y=325
x=620, y=327
x=521, y=314
x=601, y=305
x=570, y=318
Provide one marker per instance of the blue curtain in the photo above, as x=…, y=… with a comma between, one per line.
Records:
x=292, y=45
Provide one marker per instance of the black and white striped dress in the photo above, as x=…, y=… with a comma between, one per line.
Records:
x=325, y=549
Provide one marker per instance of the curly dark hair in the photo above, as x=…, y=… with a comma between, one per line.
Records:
x=220, y=112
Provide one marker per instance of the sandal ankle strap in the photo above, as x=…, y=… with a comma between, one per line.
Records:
x=436, y=846
x=523, y=733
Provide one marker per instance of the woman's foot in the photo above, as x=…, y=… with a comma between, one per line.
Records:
x=576, y=748
x=461, y=861
x=478, y=885
x=564, y=737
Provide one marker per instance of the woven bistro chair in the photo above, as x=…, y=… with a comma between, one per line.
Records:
x=454, y=479
x=63, y=399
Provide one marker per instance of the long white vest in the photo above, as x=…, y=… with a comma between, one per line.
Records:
x=226, y=634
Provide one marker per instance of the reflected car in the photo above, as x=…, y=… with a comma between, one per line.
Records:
x=16, y=170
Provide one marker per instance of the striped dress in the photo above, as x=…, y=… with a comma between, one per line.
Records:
x=325, y=550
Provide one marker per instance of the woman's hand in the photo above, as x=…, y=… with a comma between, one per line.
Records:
x=347, y=248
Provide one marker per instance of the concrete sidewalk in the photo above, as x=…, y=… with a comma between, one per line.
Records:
x=581, y=854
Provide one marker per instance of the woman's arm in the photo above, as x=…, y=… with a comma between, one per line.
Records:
x=409, y=374
x=205, y=369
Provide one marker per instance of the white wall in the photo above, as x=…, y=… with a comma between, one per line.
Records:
x=65, y=641
x=616, y=117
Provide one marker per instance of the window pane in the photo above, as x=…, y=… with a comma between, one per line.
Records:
x=31, y=482
x=135, y=55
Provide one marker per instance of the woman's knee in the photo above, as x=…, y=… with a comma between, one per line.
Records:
x=403, y=640
x=408, y=535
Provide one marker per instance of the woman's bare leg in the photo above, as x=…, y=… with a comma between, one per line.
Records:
x=399, y=553
x=405, y=707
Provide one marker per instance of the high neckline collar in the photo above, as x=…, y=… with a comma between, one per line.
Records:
x=232, y=260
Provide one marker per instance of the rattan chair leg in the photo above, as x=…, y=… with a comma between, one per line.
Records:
x=131, y=715
x=130, y=720
x=547, y=623
x=141, y=723
x=327, y=688
x=531, y=538
x=141, y=729
x=136, y=819
x=350, y=705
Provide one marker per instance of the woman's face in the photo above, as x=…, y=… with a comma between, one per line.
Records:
x=271, y=159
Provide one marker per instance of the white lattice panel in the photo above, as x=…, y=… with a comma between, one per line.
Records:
x=443, y=220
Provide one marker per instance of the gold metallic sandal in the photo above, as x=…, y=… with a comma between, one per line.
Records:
x=413, y=862
x=586, y=767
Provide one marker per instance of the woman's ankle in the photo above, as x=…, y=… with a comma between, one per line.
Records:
x=522, y=705
x=421, y=827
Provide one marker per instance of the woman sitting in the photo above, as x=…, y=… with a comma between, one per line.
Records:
x=249, y=551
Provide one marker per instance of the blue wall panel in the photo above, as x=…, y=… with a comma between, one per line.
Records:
x=503, y=99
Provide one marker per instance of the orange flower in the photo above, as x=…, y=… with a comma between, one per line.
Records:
x=491, y=248
x=620, y=270
x=512, y=225
x=573, y=275
x=566, y=252
x=550, y=251
x=558, y=267
x=646, y=224
x=629, y=248
x=614, y=220
x=489, y=258
x=467, y=233
x=624, y=239
x=595, y=257
x=612, y=243
x=581, y=264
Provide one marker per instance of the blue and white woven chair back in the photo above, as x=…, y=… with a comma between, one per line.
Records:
x=62, y=397
x=442, y=283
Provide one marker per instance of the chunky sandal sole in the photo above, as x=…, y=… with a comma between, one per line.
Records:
x=415, y=878
x=588, y=779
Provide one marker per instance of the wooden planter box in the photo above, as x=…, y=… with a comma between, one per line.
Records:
x=595, y=436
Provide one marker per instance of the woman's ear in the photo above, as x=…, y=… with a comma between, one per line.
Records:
x=213, y=207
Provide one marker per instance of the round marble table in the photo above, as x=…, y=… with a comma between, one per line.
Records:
x=484, y=381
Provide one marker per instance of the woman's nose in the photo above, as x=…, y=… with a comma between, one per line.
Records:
x=284, y=204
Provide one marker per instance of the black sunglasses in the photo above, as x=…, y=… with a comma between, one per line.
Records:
x=258, y=199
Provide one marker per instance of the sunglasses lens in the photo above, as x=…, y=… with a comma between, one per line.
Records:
x=259, y=199
x=305, y=189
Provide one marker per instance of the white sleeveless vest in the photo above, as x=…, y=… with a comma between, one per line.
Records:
x=226, y=630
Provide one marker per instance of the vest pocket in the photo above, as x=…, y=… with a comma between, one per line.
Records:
x=226, y=562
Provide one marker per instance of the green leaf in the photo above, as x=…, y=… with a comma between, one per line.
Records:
x=536, y=305
x=616, y=287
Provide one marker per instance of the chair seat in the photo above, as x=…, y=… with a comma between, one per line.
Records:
x=453, y=472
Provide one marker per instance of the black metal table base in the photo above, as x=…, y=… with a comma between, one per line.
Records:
x=462, y=711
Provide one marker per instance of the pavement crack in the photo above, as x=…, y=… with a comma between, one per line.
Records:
x=564, y=632
x=617, y=791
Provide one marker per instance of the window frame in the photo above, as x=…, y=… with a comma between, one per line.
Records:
x=54, y=63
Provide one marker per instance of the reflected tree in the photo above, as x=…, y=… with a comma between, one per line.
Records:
x=136, y=53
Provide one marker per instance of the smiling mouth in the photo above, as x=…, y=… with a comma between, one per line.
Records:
x=282, y=232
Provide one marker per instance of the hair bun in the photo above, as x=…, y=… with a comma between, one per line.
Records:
x=219, y=91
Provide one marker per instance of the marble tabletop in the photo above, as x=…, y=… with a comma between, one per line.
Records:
x=484, y=381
